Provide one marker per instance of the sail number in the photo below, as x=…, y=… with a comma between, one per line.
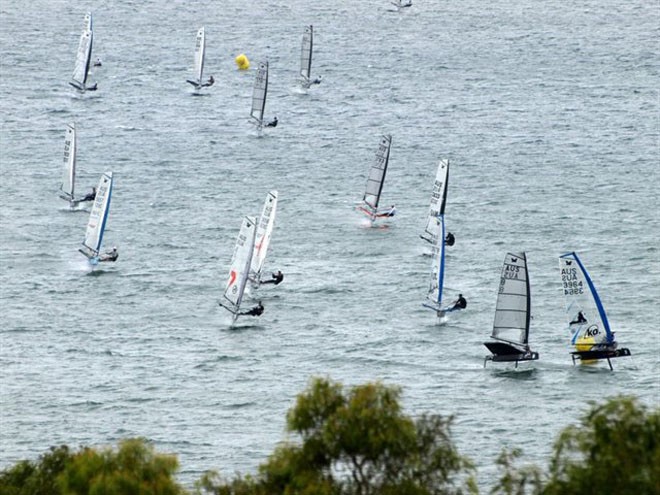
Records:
x=572, y=285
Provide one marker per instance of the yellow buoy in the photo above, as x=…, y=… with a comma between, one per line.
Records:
x=242, y=62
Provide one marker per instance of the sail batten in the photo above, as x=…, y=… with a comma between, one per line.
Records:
x=377, y=173
x=98, y=217
x=512, y=310
x=306, y=54
x=259, y=93
x=585, y=313
x=438, y=198
x=69, y=170
x=240, y=265
x=263, y=235
x=200, y=51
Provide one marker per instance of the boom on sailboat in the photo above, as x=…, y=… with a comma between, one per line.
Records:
x=375, y=181
x=512, y=314
x=83, y=57
x=587, y=321
x=240, y=268
x=200, y=53
x=98, y=219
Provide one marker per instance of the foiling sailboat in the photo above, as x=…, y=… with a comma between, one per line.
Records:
x=200, y=53
x=259, y=93
x=512, y=314
x=83, y=57
x=67, y=187
x=306, y=58
x=239, y=270
x=262, y=240
x=98, y=219
x=438, y=202
x=590, y=329
x=375, y=181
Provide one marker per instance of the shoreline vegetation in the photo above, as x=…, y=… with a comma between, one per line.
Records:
x=358, y=441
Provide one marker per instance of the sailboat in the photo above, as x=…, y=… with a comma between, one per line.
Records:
x=371, y=198
x=438, y=202
x=200, y=52
x=240, y=268
x=512, y=314
x=587, y=321
x=67, y=188
x=83, y=57
x=400, y=4
x=259, y=94
x=306, y=58
x=264, y=233
x=98, y=219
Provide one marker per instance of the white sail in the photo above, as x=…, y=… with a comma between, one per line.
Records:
x=200, y=51
x=306, y=55
x=89, y=23
x=98, y=217
x=586, y=316
x=81, y=70
x=259, y=93
x=512, y=311
x=437, y=263
x=240, y=265
x=376, y=177
x=67, y=187
x=264, y=232
x=438, y=199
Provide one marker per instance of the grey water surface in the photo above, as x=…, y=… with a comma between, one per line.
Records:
x=547, y=110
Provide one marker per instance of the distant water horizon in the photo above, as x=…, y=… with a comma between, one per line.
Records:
x=547, y=112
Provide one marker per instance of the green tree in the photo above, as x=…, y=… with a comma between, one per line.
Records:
x=615, y=449
x=359, y=442
x=36, y=478
x=517, y=480
x=134, y=469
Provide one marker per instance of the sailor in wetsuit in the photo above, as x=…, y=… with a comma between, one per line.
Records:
x=256, y=311
x=111, y=255
x=272, y=123
x=90, y=196
x=276, y=278
x=460, y=303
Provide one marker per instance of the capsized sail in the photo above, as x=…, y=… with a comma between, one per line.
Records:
x=512, y=311
x=259, y=94
x=264, y=233
x=376, y=178
x=240, y=266
x=437, y=264
x=98, y=218
x=438, y=199
x=67, y=188
x=586, y=316
x=200, y=50
x=306, y=55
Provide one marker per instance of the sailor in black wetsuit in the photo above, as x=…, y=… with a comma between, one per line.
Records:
x=450, y=239
x=272, y=123
x=276, y=278
x=460, y=303
x=90, y=196
x=256, y=311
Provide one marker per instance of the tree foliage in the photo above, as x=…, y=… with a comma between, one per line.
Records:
x=359, y=442
x=614, y=449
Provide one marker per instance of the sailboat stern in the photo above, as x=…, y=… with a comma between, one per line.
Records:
x=503, y=352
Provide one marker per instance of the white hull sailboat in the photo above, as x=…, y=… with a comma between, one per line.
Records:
x=306, y=52
x=200, y=54
x=369, y=205
x=587, y=321
x=96, y=225
x=512, y=314
x=239, y=270
x=259, y=94
x=83, y=58
x=262, y=240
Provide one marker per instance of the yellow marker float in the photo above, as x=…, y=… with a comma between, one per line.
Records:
x=242, y=62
